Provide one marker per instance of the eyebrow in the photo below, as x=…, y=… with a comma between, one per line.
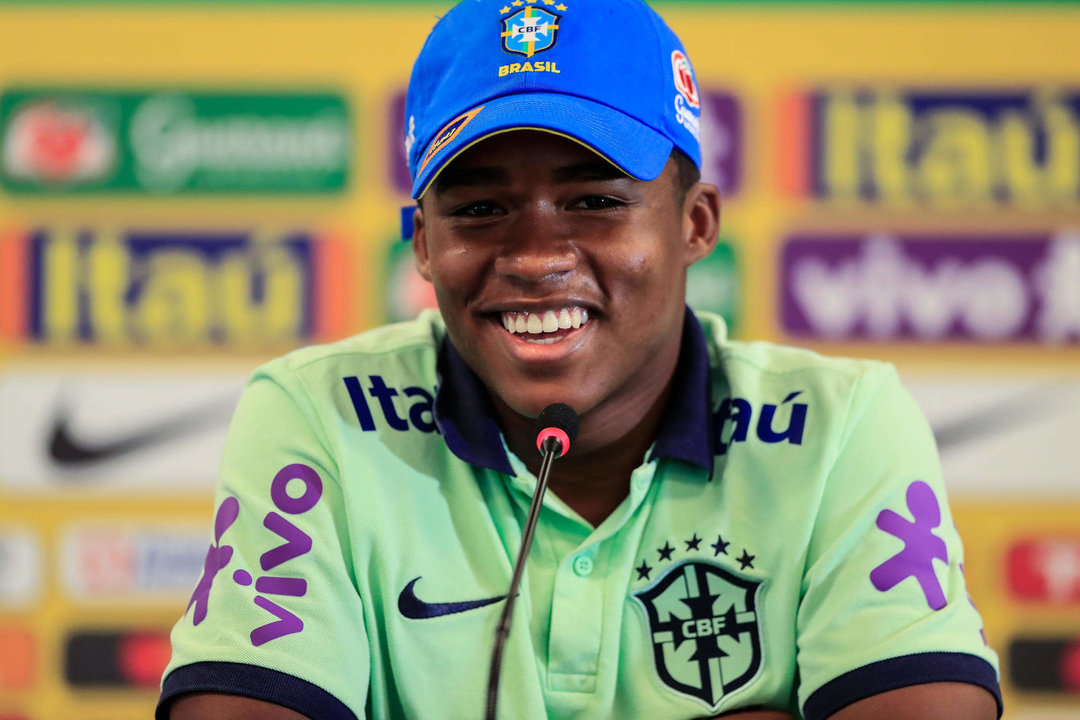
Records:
x=470, y=177
x=451, y=178
x=592, y=170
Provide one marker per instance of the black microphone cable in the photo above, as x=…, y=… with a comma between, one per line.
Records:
x=557, y=427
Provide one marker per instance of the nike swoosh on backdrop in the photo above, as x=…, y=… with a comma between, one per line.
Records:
x=416, y=609
x=67, y=449
x=1004, y=415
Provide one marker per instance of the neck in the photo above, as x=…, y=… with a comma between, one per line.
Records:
x=594, y=477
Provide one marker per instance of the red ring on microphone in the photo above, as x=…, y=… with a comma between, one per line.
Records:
x=553, y=432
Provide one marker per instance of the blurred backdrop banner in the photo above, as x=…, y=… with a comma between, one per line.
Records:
x=188, y=189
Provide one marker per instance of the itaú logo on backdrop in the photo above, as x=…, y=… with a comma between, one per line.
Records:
x=190, y=288
x=946, y=149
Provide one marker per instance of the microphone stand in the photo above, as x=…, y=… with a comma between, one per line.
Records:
x=552, y=449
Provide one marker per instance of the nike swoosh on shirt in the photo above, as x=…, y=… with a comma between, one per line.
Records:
x=416, y=609
x=67, y=449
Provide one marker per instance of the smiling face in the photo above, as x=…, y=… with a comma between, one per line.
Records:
x=560, y=278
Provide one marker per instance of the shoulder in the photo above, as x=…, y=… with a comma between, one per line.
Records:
x=382, y=378
x=773, y=372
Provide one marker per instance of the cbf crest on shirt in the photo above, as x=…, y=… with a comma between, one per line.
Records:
x=704, y=625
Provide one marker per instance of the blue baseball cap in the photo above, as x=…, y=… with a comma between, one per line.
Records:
x=607, y=73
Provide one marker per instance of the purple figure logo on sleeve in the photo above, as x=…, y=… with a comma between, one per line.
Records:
x=297, y=543
x=217, y=557
x=921, y=545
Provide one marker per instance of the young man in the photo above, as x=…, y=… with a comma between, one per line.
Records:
x=740, y=529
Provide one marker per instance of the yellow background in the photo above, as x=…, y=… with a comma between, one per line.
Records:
x=760, y=52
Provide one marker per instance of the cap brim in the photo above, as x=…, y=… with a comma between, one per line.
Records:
x=637, y=149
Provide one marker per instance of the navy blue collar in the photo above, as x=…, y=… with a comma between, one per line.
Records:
x=466, y=417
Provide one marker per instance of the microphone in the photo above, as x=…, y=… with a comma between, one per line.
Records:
x=557, y=429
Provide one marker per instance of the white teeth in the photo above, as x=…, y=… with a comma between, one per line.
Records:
x=549, y=321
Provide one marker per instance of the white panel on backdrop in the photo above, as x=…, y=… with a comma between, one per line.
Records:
x=1006, y=435
x=131, y=563
x=113, y=432
x=20, y=567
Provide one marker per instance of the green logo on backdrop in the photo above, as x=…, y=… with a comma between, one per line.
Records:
x=172, y=142
x=713, y=284
x=404, y=292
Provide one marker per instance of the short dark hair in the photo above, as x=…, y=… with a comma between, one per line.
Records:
x=688, y=174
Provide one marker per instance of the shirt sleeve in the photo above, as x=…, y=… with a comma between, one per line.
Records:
x=276, y=615
x=883, y=599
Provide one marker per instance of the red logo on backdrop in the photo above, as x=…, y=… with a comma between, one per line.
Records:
x=142, y=657
x=50, y=142
x=1045, y=570
x=684, y=78
x=1070, y=667
x=17, y=661
x=106, y=658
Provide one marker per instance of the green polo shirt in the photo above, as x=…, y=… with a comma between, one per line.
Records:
x=786, y=543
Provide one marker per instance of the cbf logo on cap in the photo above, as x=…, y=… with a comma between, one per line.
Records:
x=490, y=66
x=531, y=30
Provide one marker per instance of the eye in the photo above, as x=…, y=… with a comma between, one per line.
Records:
x=598, y=202
x=478, y=209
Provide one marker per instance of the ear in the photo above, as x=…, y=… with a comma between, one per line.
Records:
x=701, y=222
x=419, y=243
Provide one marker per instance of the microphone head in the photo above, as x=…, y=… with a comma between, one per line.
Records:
x=559, y=421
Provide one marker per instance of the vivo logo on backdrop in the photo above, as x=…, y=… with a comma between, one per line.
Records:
x=928, y=287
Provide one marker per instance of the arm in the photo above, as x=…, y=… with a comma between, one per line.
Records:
x=211, y=706
x=885, y=628
x=276, y=616
x=934, y=701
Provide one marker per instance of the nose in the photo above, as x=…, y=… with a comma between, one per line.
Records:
x=539, y=248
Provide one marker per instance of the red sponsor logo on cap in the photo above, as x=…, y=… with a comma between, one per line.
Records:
x=684, y=78
x=1045, y=569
